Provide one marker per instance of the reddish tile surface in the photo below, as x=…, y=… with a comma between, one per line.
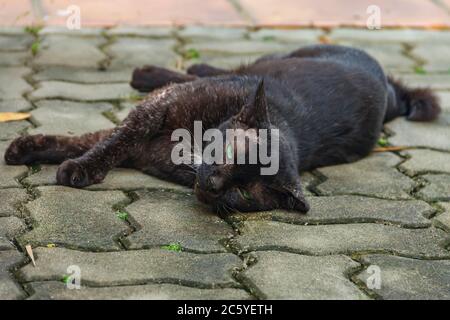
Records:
x=345, y=12
x=421, y=13
x=132, y=12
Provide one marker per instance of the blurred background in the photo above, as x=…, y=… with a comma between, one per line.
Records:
x=282, y=13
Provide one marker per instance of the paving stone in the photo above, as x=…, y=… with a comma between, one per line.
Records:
x=10, y=227
x=126, y=108
x=75, y=218
x=444, y=98
x=12, y=129
x=240, y=47
x=136, y=52
x=62, y=30
x=299, y=36
x=166, y=218
x=70, y=118
x=389, y=36
x=342, y=239
x=9, y=289
x=9, y=174
x=15, y=105
x=433, y=81
x=154, y=32
x=13, y=58
x=119, y=178
x=52, y=290
x=421, y=134
x=390, y=56
x=350, y=209
x=282, y=275
x=12, y=30
x=15, y=43
x=438, y=189
x=424, y=161
x=81, y=75
x=199, y=33
x=443, y=219
x=436, y=56
x=81, y=92
x=134, y=267
x=374, y=176
x=10, y=199
x=410, y=279
x=13, y=85
x=70, y=51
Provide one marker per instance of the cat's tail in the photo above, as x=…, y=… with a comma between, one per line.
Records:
x=419, y=104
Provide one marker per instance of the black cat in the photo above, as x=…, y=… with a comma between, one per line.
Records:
x=328, y=102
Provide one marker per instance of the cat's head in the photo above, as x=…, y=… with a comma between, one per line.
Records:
x=237, y=183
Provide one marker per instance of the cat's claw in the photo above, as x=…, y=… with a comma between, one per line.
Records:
x=72, y=174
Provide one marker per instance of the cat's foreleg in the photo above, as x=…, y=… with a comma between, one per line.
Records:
x=205, y=70
x=51, y=149
x=125, y=141
x=149, y=78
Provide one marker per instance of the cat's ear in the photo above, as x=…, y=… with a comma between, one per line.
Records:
x=255, y=112
x=292, y=194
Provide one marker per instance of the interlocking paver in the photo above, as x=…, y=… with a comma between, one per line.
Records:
x=57, y=290
x=425, y=161
x=15, y=43
x=15, y=105
x=433, y=81
x=438, y=188
x=199, y=33
x=410, y=279
x=443, y=219
x=134, y=267
x=166, y=218
x=342, y=238
x=282, y=275
x=155, y=32
x=136, y=52
x=9, y=289
x=12, y=129
x=81, y=92
x=82, y=75
x=389, y=35
x=119, y=178
x=436, y=56
x=70, y=118
x=421, y=134
x=13, y=58
x=9, y=174
x=70, y=51
x=444, y=98
x=13, y=85
x=350, y=209
x=300, y=37
x=10, y=200
x=375, y=176
x=9, y=228
x=75, y=218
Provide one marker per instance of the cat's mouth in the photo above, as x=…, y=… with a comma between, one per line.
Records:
x=205, y=196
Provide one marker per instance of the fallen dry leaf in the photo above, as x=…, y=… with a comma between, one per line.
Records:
x=13, y=116
x=30, y=253
x=393, y=148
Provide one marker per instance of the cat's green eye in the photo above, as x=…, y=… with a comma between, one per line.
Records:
x=229, y=152
x=245, y=194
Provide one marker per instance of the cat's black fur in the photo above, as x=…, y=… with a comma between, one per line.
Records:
x=329, y=103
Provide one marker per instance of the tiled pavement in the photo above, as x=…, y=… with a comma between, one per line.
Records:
x=390, y=210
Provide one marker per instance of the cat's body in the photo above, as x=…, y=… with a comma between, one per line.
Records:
x=329, y=103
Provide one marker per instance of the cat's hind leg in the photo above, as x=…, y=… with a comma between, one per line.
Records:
x=50, y=149
x=203, y=70
x=149, y=78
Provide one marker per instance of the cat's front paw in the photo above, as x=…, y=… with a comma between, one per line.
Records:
x=21, y=150
x=72, y=174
